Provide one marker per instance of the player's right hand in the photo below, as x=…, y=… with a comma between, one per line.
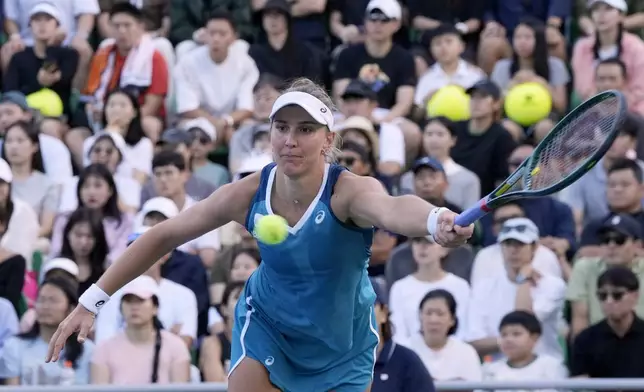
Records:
x=79, y=320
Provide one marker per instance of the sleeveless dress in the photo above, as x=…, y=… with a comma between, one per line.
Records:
x=307, y=312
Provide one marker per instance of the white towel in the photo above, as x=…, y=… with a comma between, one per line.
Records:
x=137, y=70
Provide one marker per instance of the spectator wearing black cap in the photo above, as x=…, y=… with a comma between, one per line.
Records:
x=430, y=182
x=483, y=145
x=397, y=368
x=358, y=103
x=620, y=238
x=612, y=347
x=624, y=194
x=447, y=47
x=388, y=68
x=284, y=54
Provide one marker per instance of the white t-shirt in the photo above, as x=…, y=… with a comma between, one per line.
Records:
x=456, y=361
x=22, y=232
x=56, y=158
x=136, y=157
x=219, y=89
x=405, y=297
x=69, y=10
x=488, y=263
x=435, y=78
x=543, y=368
x=495, y=297
x=177, y=305
x=128, y=189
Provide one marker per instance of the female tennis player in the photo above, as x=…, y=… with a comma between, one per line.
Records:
x=305, y=321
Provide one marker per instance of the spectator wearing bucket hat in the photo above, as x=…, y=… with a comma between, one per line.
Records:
x=56, y=157
x=203, y=136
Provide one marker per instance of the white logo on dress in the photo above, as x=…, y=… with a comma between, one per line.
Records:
x=269, y=361
x=319, y=217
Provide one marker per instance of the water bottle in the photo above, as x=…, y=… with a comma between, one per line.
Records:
x=67, y=374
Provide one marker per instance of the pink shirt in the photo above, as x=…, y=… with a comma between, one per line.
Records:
x=130, y=363
x=584, y=62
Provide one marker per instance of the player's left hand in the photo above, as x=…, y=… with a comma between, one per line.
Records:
x=449, y=234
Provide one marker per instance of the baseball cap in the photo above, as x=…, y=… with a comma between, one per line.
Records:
x=175, y=136
x=62, y=263
x=277, y=5
x=162, y=205
x=617, y=4
x=519, y=229
x=390, y=8
x=202, y=124
x=5, y=171
x=252, y=164
x=359, y=89
x=428, y=162
x=623, y=224
x=381, y=297
x=16, y=98
x=143, y=287
x=45, y=8
x=313, y=106
x=487, y=87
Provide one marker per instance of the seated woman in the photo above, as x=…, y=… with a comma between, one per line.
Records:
x=214, y=358
x=109, y=149
x=97, y=191
x=23, y=354
x=530, y=63
x=122, y=115
x=21, y=149
x=144, y=352
x=445, y=357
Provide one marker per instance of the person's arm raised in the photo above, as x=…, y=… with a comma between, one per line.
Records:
x=228, y=203
x=368, y=204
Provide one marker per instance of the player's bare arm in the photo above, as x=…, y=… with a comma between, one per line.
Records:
x=364, y=201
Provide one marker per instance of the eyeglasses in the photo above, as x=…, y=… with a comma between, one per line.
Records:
x=618, y=240
x=378, y=17
x=517, y=228
x=347, y=161
x=615, y=295
x=501, y=220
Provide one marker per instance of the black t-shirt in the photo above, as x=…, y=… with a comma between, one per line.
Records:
x=296, y=59
x=397, y=69
x=599, y=352
x=589, y=234
x=24, y=66
x=486, y=154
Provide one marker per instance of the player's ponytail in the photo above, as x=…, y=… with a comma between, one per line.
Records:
x=308, y=86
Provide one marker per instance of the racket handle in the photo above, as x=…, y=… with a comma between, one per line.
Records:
x=470, y=216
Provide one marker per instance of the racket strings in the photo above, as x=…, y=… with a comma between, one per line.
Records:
x=570, y=146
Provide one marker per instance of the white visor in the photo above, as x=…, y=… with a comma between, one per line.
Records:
x=313, y=106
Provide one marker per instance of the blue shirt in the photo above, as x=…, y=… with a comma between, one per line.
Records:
x=313, y=285
x=398, y=369
x=509, y=12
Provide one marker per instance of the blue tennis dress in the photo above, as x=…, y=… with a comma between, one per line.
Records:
x=307, y=312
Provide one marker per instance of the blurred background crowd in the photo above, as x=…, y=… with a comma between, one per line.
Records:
x=116, y=115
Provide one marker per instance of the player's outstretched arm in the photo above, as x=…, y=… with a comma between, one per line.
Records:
x=368, y=204
x=228, y=203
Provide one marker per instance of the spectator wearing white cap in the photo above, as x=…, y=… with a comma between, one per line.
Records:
x=45, y=66
x=18, y=221
x=522, y=288
x=109, y=149
x=203, y=136
x=60, y=267
x=144, y=352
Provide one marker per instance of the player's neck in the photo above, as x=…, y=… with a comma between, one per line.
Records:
x=301, y=190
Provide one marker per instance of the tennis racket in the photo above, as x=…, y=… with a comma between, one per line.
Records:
x=568, y=152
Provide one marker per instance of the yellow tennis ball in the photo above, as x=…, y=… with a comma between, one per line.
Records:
x=271, y=229
x=47, y=102
x=528, y=103
x=451, y=102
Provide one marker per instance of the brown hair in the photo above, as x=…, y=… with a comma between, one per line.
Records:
x=308, y=86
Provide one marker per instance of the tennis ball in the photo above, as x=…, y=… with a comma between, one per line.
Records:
x=47, y=102
x=271, y=229
x=451, y=102
x=528, y=103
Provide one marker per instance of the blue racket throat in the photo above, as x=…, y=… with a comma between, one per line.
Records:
x=571, y=149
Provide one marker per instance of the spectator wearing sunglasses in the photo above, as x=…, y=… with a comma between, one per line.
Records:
x=356, y=158
x=612, y=347
x=522, y=287
x=620, y=238
x=202, y=135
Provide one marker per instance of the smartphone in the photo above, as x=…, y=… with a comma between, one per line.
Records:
x=50, y=65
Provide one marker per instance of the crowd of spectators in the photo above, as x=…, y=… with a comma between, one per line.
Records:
x=116, y=115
